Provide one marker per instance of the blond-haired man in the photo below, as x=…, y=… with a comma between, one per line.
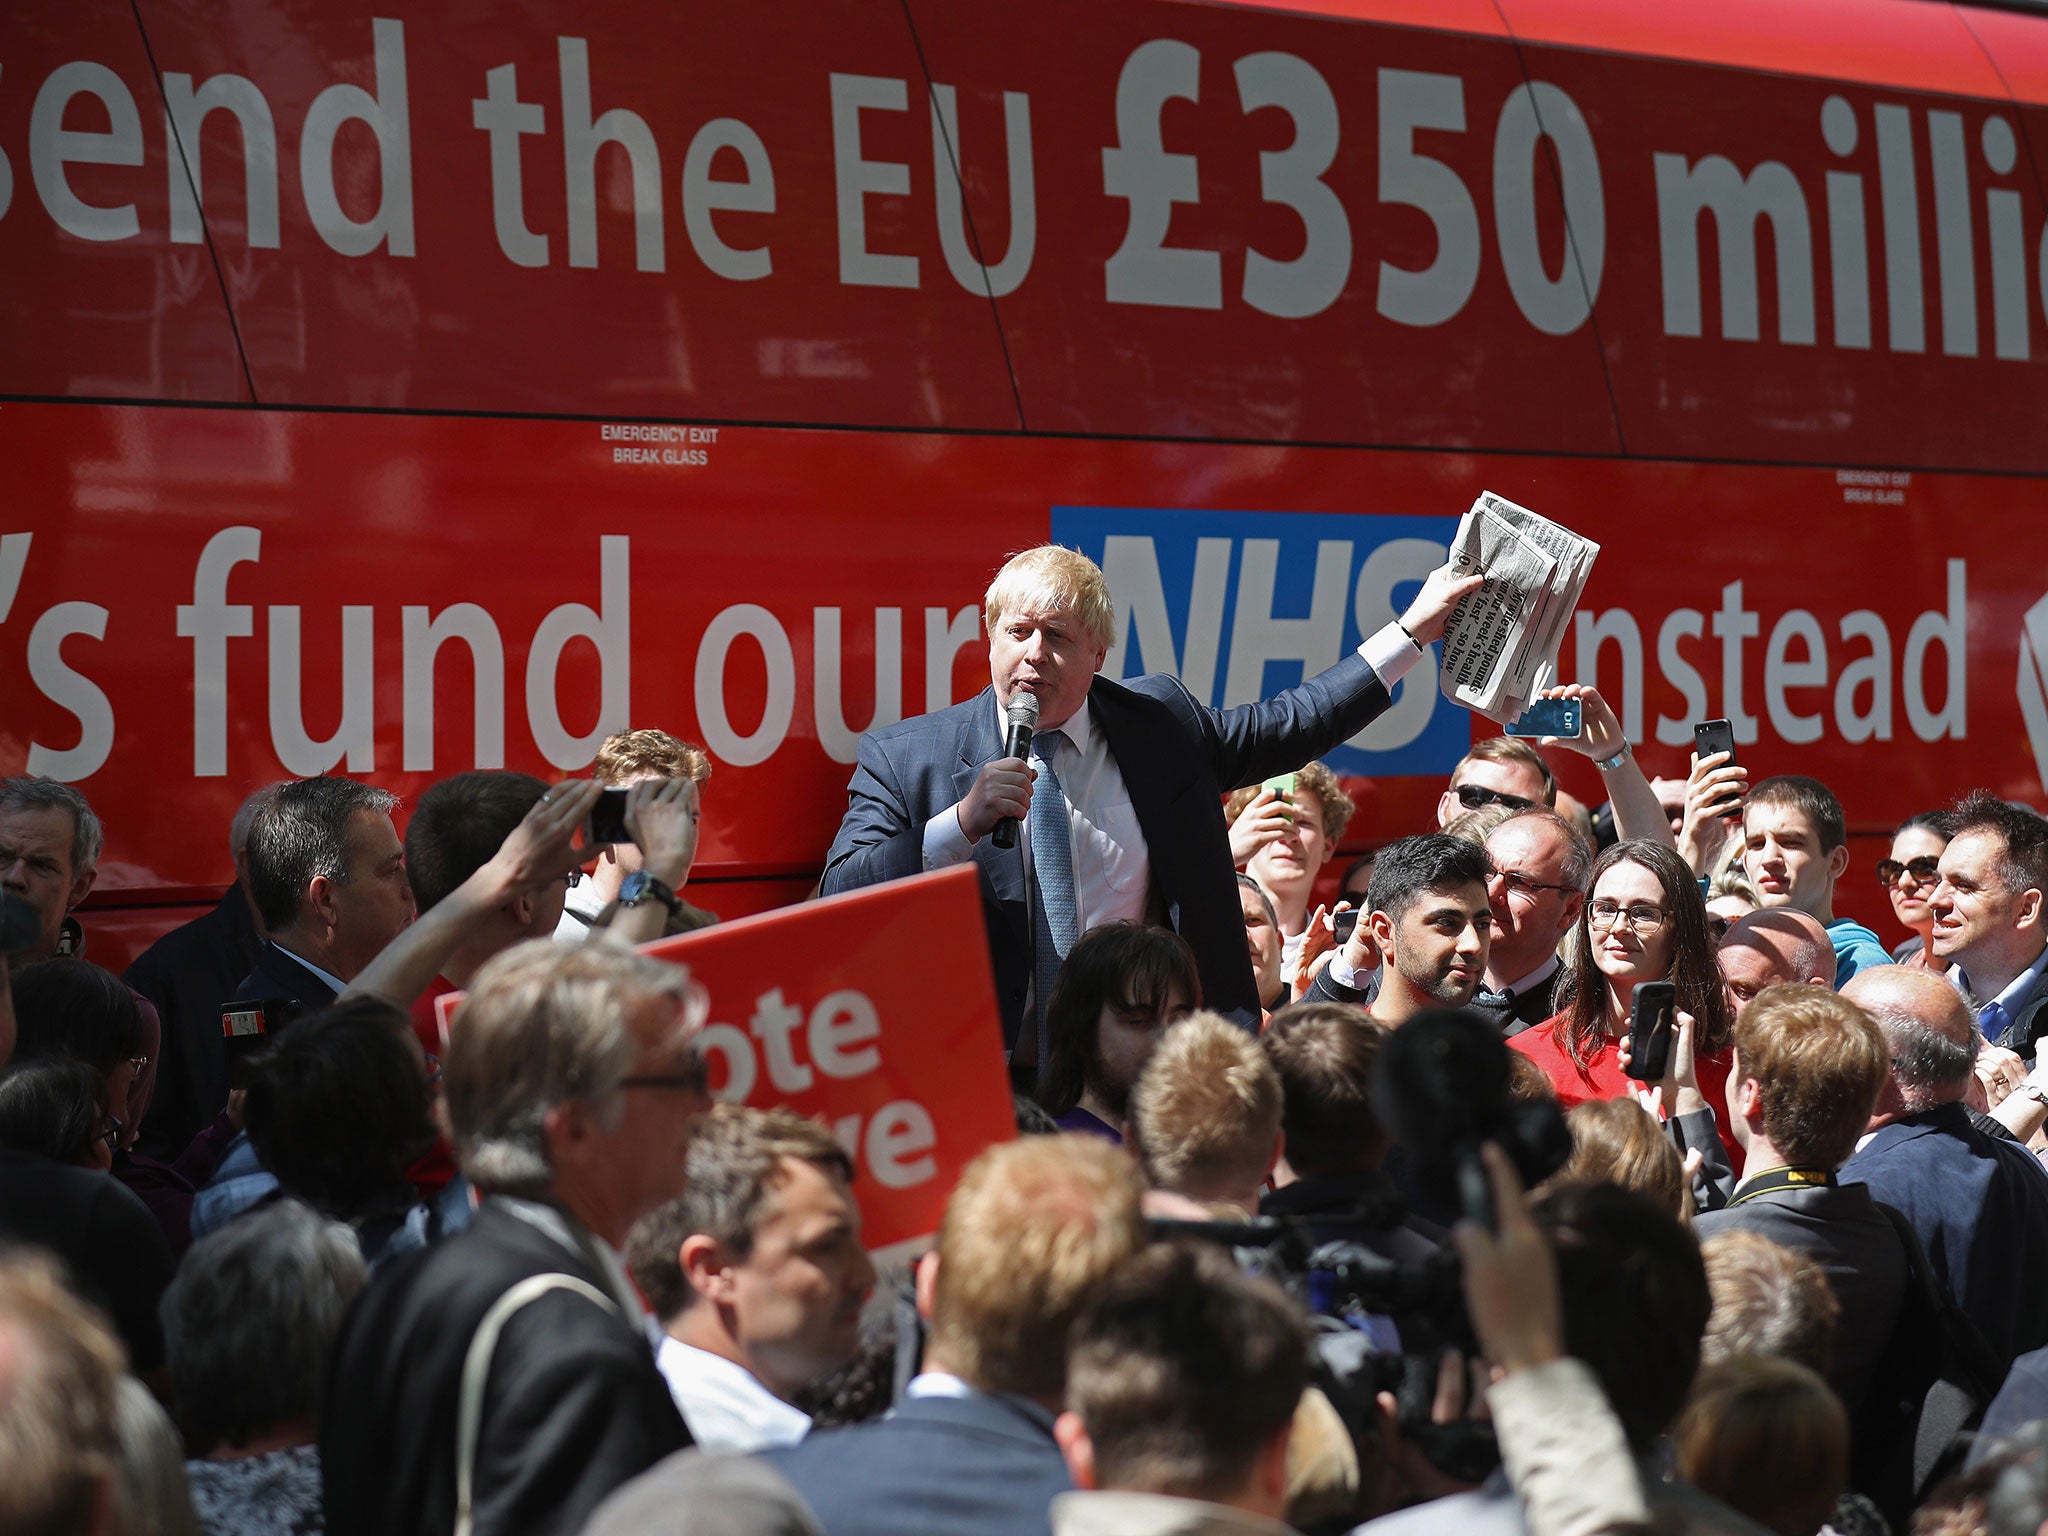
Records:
x=1032, y=1232
x=629, y=758
x=1206, y=1114
x=1127, y=778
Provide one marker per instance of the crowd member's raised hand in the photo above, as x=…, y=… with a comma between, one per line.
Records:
x=1265, y=820
x=1637, y=812
x=663, y=817
x=543, y=848
x=1318, y=939
x=1714, y=792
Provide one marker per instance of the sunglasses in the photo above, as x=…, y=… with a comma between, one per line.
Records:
x=1475, y=796
x=1925, y=870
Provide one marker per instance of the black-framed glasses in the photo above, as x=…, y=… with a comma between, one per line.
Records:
x=1526, y=885
x=693, y=1081
x=1925, y=870
x=1643, y=916
x=1476, y=796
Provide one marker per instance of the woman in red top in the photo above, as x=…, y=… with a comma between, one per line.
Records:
x=1645, y=921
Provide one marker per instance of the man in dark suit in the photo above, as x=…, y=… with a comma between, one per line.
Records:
x=1137, y=772
x=1808, y=1069
x=1979, y=1203
x=188, y=974
x=515, y=1358
x=327, y=876
x=1031, y=1233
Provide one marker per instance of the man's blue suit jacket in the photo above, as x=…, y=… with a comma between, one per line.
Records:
x=934, y=1466
x=1980, y=1205
x=1178, y=758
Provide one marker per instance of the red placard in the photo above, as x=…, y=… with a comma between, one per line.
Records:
x=875, y=1013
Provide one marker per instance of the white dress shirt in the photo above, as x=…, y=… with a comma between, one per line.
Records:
x=724, y=1404
x=1112, y=866
x=329, y=977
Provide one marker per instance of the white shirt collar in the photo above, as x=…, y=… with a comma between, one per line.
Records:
x=1535, y=978
x=329, y=977
x=725, y=1404
x=2016, y=991
x=1078, y=728
x=938, y=1384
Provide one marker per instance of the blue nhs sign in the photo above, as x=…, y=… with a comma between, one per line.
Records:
x=1240, y=605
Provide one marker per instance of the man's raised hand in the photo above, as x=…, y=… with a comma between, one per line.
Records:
x=544, y=846
x=1265, y=820
x=662, y=815
x=1442, y=590
x=1001, y=792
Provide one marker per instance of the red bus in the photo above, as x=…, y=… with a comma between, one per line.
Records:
x=400, y=388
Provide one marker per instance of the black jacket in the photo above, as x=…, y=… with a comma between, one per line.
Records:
x=188, y=974
x=574, y=1405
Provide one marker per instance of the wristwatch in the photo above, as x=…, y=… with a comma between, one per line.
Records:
x=1609, y=764
x=640, y=886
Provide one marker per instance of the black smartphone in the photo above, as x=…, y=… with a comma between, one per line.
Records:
x=1649, y=1031
x=1710, y=737
x=1344, y=922
x=607, y=822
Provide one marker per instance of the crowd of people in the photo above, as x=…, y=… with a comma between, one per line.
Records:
x=1357, y=1204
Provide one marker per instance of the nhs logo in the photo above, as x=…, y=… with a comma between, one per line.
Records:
x=1241, y=605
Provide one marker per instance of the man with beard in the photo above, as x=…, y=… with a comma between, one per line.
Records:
x=1428, y=920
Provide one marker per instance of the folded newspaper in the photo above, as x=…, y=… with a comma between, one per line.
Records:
x=1503, y=639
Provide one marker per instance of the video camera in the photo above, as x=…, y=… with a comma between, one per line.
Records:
x=1441, y=1090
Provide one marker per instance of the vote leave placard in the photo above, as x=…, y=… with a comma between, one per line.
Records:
x=874, y=1012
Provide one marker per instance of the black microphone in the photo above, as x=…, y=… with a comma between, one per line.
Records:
x=1023, y=716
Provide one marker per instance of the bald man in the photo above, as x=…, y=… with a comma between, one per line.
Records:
x=1773, y=945
x=1979, y=1203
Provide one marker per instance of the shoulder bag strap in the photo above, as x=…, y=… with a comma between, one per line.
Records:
x=476, y=1370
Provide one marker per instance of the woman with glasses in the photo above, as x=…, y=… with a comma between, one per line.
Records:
x=77, y=1009
x=1909, y=877
x=1644, y=921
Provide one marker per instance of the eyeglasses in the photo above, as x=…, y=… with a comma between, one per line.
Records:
x=1474, y=796
x=693, y=1081
x=1641, y=915
x=1925, y=870
x=1523, y=885
x=138, y=1063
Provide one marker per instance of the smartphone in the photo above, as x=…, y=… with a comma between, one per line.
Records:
x=1649, y=1031
x=1282, y=785
x=1710, y=737
x=607, y=822
x=1344, y=922
x=1548, y=717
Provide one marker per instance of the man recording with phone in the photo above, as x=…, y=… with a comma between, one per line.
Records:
x=630, y=758
x=1126, y=780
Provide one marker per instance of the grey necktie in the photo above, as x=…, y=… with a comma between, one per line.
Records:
x=1052, y=866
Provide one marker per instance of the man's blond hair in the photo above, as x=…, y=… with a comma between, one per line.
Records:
x=1318, y=781
x=1031, y=1232
x=1206, y=1111
x=637, y=754
x=1053, y=579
